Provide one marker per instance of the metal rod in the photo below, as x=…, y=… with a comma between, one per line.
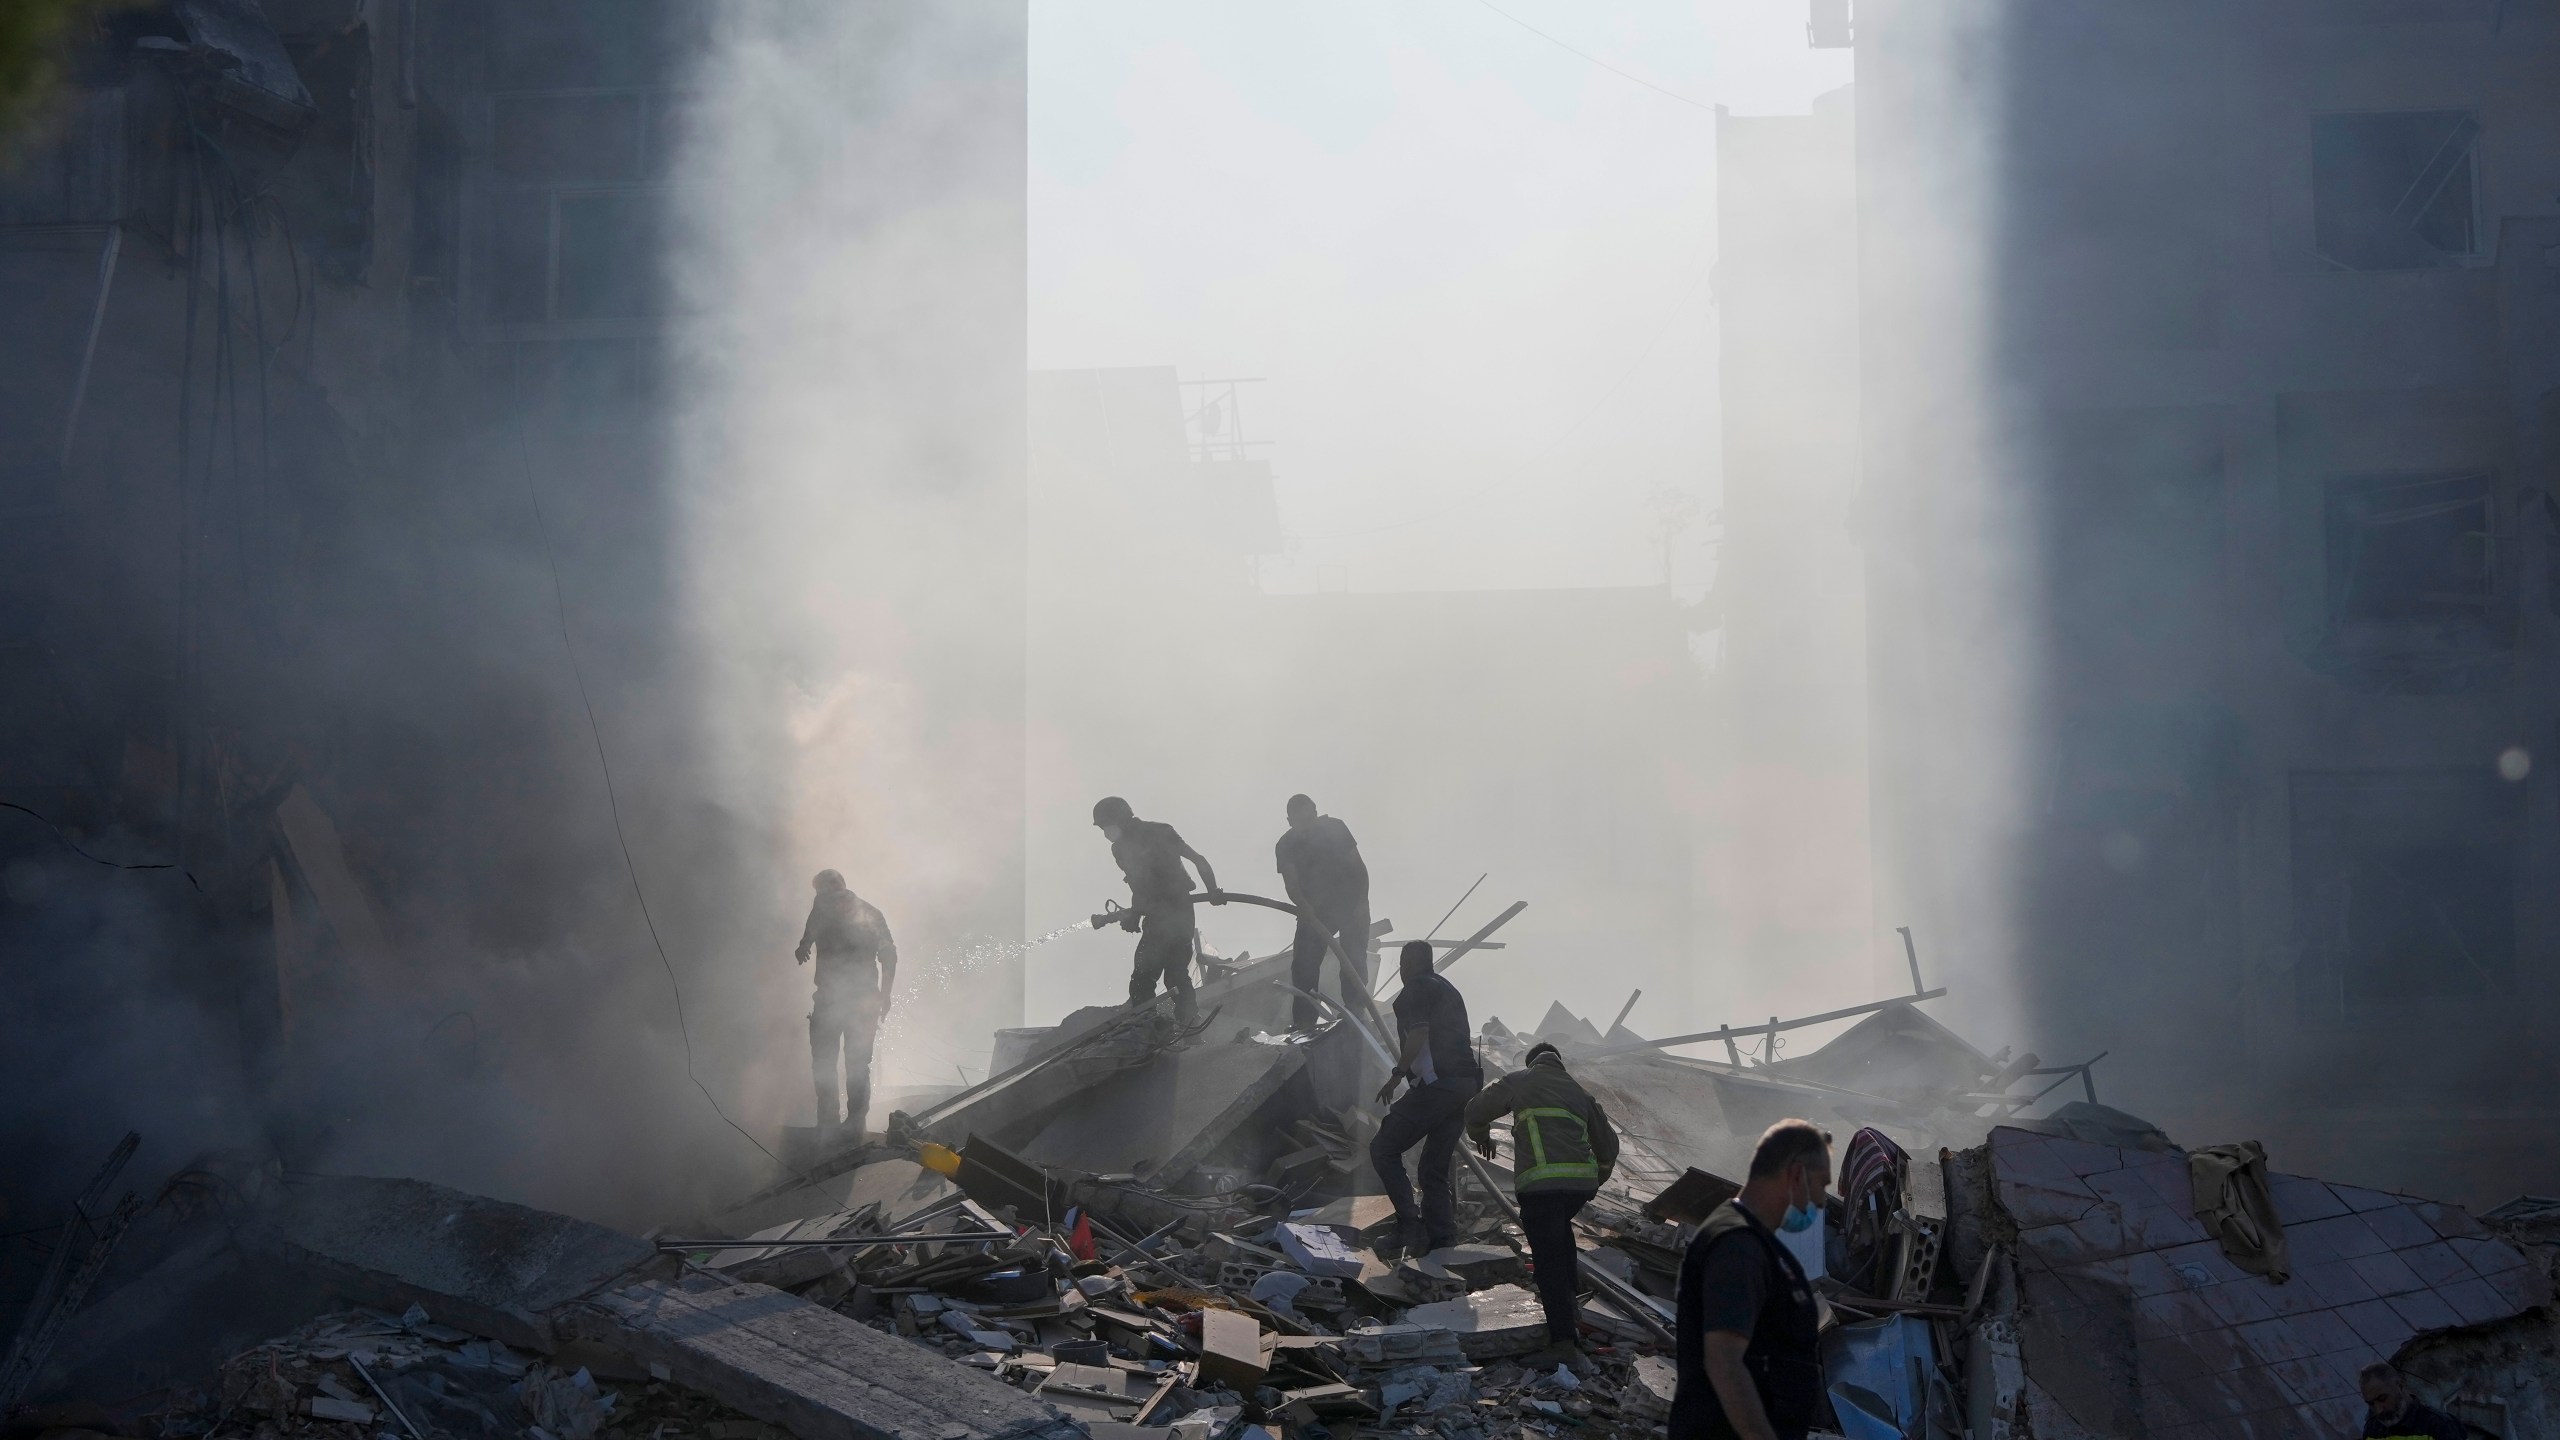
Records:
x=1728, y=1032
x=1625, y=1010
x=1327, y=1002
x=1443, y=920
x=385, y=1397
x=849, y=1241
x=1910, y=952
x=1473, y=941
x=89, y=351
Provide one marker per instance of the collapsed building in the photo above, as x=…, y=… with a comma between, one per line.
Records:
x=1134, y=1228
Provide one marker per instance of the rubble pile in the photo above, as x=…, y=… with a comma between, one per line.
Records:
x=1137, y=1228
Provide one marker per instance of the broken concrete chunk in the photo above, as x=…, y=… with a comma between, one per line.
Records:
x=1505, y=1320
x=1205, y=1424
x=1647, y=1393
x=329, y=1407
x=1360, y=1212
x=1424, y=1280
x=1094, y=1392
x=1481, y=1267
x=1231, y=1351
x=1407, y=1344
x=1319, y=1251
x=493, y=1268
x=818, y=1374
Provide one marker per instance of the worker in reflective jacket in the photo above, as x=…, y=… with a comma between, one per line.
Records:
x=1562, y=1149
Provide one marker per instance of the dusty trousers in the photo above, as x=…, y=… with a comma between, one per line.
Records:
x=1546, y=1217
x=845, y=1020
x=1164, y=952
x=1433, y=1115
x=1348, y=924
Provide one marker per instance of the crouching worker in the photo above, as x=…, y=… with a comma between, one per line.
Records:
x=1563, y=1149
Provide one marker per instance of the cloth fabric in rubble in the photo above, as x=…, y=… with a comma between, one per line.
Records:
x=1736, y=1277
x=2236, y=1207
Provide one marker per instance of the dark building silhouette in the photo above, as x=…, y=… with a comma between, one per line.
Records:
x=340, y=381
x=2210, y=379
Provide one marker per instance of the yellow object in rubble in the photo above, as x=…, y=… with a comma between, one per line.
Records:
x=939, y=1159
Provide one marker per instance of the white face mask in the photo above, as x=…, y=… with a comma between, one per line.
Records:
x=1801, y=1217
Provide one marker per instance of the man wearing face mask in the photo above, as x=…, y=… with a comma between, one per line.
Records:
x=1150, y=855
x=1749, y=1333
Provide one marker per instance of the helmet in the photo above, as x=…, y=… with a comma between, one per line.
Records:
x=1112, y=810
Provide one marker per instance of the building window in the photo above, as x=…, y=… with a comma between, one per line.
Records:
x=2411, y=548
x=2405, y=888
x=573, y=229
x=2396, y=190
x=2427, y=921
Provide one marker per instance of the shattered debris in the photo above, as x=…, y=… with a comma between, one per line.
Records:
x=1147, y=1230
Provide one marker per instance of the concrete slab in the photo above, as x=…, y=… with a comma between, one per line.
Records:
x=479, y=1264
x=901, y=1188
x=1489, y=1324
x=1163, y=1118
x=2134, y=1322
x=817, y=1374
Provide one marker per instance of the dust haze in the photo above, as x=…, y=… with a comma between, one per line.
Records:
x=1607, y=464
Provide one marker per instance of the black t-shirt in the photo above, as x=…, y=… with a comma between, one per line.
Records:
x=1325, y=860
x=1734, y=1278
x=1149, y=853
x=1433, y=1001
x=2416, y=1422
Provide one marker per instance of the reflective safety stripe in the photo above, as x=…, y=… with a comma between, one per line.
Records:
x=1541, y=1168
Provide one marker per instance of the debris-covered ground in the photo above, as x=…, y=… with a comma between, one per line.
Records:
x=1137, y=1228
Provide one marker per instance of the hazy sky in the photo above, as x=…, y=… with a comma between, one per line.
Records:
x=1474, y=266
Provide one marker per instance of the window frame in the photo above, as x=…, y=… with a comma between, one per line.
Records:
x=2483, y=241
x=489, y=194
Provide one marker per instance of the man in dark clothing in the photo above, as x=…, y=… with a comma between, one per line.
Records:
x=857, y=966
x=1563, y=1149
x=2390, y=1413
x=1749, y=1336
x=1150, y=856
x=1439, y=1057
x=1324, y=876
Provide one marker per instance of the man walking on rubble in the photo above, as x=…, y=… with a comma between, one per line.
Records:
x=1563, y=1149
x=1439, y=1059
x=1150, y=855
x=857, y=968
x=1749, y=1335
x=1324, y=876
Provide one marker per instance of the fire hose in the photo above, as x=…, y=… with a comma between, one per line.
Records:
x=1114, y=914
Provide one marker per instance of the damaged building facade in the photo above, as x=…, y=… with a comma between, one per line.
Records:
x=2253, y=470
x=343, y=482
